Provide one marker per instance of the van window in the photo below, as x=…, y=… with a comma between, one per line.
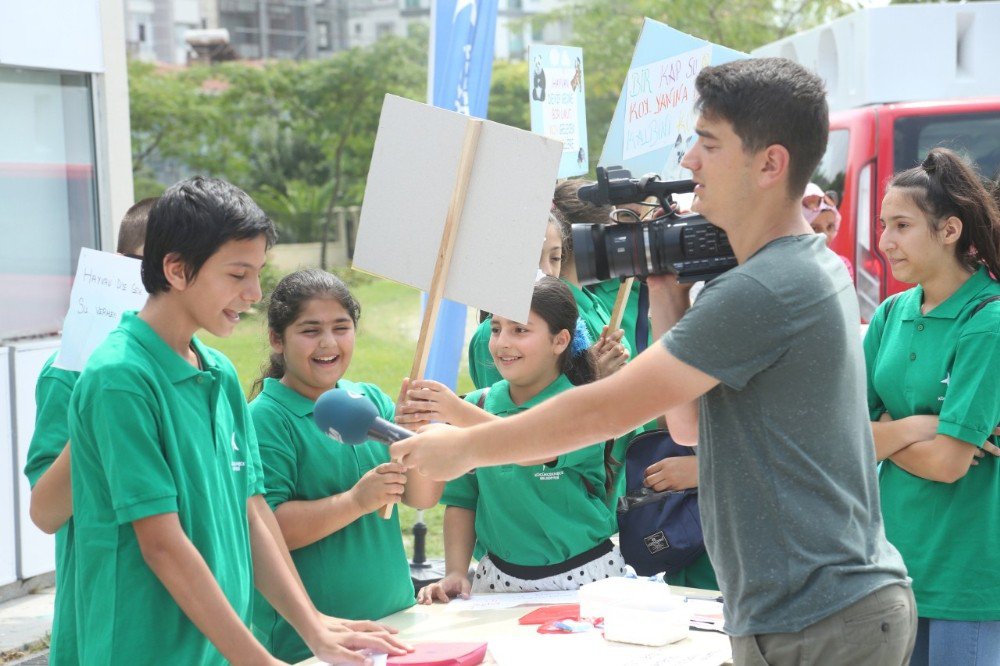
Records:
x=974, y=135
x=829, y=175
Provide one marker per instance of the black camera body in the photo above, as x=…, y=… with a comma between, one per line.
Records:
x=687, y=245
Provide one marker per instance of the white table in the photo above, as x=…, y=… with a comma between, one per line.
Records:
x=436, y=623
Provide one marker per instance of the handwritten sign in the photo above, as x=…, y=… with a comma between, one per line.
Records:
x=555, y=79
x=660, y=108
x=106, y=285
x=653, y=124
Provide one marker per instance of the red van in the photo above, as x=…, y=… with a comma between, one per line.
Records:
x=869, y=144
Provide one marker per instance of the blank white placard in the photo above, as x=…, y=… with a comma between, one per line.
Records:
x=413, y=173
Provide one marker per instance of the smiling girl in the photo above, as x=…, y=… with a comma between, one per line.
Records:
x=544, y=525
x=325, y=494
x=933, y=357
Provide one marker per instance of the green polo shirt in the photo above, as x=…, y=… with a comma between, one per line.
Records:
x=591, y=310
x=152, y=435
x=52, y=393
x=607, y=293
x=482, y=369
x=947, y=363
x=538, y=514
x=359, y=572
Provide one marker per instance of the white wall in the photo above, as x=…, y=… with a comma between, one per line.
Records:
x=8, y=543
x=37, y=549
x=20, y=362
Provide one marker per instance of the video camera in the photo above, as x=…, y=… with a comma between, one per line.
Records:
x=687, y=245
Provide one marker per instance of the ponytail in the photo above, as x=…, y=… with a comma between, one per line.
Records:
x=946, y=185
x=274, y=368
x=554, y=303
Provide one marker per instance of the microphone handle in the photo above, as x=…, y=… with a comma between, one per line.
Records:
x=387, y=432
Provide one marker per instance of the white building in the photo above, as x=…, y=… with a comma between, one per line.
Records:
x=65, y=181
x=296, y=29
x=371, y=20
x=155, y=29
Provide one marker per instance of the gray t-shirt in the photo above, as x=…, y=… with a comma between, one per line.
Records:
x=786, y=466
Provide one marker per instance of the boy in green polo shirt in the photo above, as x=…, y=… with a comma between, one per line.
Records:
x=47, y=466
x=172, y=530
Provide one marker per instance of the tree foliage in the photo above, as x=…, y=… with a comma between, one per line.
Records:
x=297, y=136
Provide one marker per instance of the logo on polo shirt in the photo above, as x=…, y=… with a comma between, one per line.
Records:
x=947, y=382
x=238, y=465
x=549, y=476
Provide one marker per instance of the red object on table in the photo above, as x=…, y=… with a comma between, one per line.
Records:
x=547, y=614
x=442, y=654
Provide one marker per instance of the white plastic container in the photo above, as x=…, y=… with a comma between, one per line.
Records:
x=636, y=611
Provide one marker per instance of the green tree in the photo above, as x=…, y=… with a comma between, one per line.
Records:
x=509, y=94
x=297, y=136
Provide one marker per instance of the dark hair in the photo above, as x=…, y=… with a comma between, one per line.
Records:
x=770, y=101
x=286, y=303
x=568, y=209
x=193, y=219
x=132, y=231
x=554, y=303
x=945, y=185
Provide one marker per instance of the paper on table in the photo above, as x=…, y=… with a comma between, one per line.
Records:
x=590, y=649
x=706, y=615
x=498, y=601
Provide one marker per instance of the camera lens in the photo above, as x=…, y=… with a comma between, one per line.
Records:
x=689, y=246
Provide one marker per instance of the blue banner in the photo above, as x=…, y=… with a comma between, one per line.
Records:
x=461, y=66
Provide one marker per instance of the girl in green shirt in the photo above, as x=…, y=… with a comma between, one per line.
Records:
x=933, y=359
x=611, y=349
x=327, y=496
x=544, y=525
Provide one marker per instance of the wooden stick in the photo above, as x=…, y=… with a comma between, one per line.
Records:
x=620, y=301
x=436, y=294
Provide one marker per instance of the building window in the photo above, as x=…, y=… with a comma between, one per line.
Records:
x=384, y=30
x=412, y=4
x=358, y=28
x=142, y=33
x=48, y=186
x=514, y=4
x=323, y=35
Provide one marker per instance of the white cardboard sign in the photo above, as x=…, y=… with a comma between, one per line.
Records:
x=413, y=173
x=106, y=285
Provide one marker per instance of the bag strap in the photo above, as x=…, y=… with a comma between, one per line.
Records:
x=888, y=308
x=983, y=303
x=481, y=400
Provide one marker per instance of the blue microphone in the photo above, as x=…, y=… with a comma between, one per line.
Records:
x=351, y=418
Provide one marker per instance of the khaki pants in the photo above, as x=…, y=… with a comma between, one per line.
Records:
x=878, y=630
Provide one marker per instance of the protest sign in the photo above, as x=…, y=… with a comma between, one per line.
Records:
x=653, y=124
x=106, y=285
x=555, y=78
x=480, y=204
